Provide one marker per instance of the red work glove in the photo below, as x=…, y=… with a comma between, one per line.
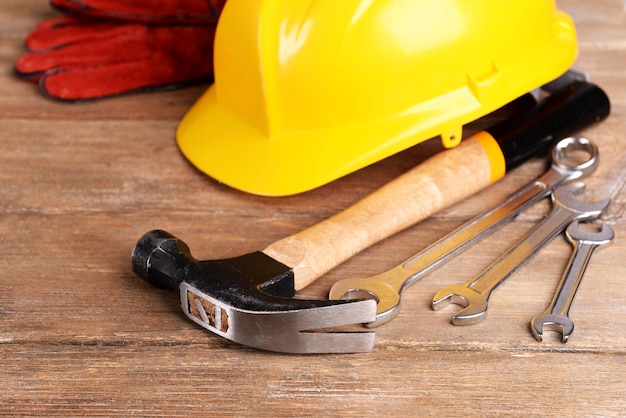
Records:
x=146, y=11
x=81, y=57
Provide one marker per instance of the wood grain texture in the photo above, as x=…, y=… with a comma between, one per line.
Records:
x=81, y=335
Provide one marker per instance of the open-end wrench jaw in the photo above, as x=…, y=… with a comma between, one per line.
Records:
x=383, y=293
x=555, y=317
x=567, y=196
x=474, y=305
x=576, y=235
x=552, y=322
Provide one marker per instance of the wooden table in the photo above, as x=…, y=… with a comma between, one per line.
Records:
x=81, y=335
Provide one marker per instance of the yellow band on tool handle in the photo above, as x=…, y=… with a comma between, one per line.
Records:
x=529, y=134
x=494, y=153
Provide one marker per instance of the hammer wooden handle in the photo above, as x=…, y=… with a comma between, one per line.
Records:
x=441, y=181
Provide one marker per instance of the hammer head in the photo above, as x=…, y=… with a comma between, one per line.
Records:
x=248, y=299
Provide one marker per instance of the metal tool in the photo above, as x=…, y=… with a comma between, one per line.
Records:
x=249, y=299
x=474, y=294
x=555, y=317
x=386, y=287
x=246, y=299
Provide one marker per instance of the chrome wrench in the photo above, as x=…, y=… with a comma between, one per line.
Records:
x=386, y=288
x=474, y=294
x=555, y=317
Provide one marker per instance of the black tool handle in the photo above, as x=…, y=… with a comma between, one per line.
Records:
x=568, y=110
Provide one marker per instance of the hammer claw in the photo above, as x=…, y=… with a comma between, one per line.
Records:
x=335, y=342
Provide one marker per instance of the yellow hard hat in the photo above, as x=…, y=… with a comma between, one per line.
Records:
x=307, y=91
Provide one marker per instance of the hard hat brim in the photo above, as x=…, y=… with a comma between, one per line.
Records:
x=234, y=153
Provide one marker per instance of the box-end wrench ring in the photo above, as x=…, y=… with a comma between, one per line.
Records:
x=386, y=287
x=474, y=294
x=555, y=317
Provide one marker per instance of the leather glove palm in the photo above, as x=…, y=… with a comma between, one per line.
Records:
x=103, y=48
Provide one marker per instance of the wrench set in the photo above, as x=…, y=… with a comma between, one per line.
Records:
x=567, y=211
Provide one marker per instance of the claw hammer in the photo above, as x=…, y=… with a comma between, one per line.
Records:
x=249, y=299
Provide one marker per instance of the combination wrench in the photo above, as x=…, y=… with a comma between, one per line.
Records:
x=474, y=294
x=386, y=287
x=555, y=317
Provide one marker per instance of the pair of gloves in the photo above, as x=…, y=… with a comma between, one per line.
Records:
x=102, y=48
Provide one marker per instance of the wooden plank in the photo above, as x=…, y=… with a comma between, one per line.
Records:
x=81, y=335
x=192, y=380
